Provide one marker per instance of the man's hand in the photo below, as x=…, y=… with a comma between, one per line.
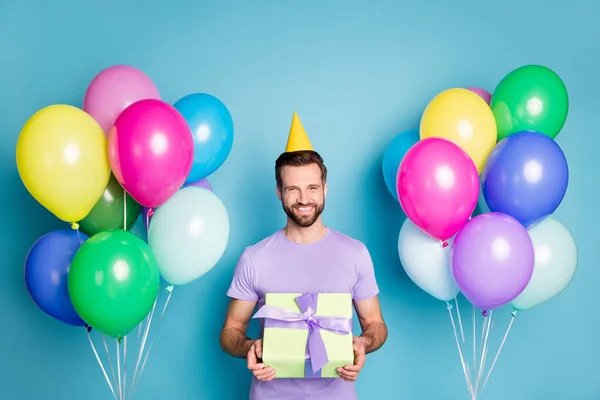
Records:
x=260, y=370
x=350, y=372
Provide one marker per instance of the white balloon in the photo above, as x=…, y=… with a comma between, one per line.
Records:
x=426, y=262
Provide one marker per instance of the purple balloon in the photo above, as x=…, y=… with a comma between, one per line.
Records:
x=492, y=260
x=202, y=183
x=484, y=94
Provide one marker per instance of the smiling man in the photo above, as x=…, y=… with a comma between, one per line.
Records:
x=304, y=256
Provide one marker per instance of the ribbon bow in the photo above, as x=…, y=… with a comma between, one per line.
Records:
x=277, y=317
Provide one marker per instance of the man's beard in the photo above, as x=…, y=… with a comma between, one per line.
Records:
x=304, y=220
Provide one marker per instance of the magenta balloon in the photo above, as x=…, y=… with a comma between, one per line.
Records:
x=484, y=94
x=438, y=187
x=151, y=151
x=115, y=88
x=492, y=260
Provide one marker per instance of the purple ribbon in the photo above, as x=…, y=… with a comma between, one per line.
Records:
x=276, y=317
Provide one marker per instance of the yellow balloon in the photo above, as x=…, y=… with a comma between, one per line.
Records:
x=463, y=118
x=62, y=159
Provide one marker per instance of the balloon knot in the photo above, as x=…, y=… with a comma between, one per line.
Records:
x=150, y=212
x=120, y=340
x=444, y=244
x=88, y=328
x=74, y=226
x=513, y=313
x=169, y=288
x=484, y=313
x=449, y=306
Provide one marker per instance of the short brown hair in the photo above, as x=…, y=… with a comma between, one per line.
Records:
x=299, y=159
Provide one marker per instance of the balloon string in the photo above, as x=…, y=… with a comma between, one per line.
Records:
x=143, y=343
x=474, y=338
x=462, y=360
x=100, y=363
x=512, y=319
x=119, y=368
x=124, y=209
x=169, y=290
x=124, y=365
x=483, y=351
x=110, y=364
x=462, y=332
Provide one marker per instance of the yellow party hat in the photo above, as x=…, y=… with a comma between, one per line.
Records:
x=297, y=139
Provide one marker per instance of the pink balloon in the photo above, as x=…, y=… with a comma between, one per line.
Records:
x=484, y=94
x=438, y=187
x=115, y=88
x=151, y=150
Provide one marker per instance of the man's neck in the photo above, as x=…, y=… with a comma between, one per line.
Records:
x=301, y=235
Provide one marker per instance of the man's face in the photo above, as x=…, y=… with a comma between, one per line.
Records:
x=302, y=194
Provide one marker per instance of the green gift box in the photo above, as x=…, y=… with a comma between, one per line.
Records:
x=307, y=335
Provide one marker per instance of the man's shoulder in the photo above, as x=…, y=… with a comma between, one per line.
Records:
x=347, y=242
x=262, y=245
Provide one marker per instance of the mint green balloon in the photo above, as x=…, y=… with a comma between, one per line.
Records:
x=555, y=264
x=188, y=234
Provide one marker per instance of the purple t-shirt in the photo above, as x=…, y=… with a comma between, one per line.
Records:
x=336, y=263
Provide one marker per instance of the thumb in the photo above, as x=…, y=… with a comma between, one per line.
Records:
x=258, y=348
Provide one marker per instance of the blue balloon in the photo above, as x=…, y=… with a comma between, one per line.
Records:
x=46, y=273
x=212, y=129
x=393, y=155
x=526, y=176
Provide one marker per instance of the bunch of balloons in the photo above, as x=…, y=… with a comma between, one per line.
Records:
x=97, y=167
x=499, y=146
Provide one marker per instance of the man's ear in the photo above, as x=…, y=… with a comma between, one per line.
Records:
x=325, y=190
x=278, y=191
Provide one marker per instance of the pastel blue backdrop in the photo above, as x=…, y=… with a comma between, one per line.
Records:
x=357, y=73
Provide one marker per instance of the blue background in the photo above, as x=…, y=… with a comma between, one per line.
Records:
x=357, y=73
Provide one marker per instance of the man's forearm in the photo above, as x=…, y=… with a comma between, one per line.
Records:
x=374, y=336
x=235, y=342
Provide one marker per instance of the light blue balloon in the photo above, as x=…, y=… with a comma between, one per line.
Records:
x=427, y=262
x=393, y=155
x=212, y=129
x=188, y=234
x=555, y=264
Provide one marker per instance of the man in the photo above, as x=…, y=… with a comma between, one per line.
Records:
x=304, y=256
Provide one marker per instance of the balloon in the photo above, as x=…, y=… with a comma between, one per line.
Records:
x=146, y=213
x=530, y=98
x=46, y=273
x=526, y=177
x=396, y=149
x=438, y=187
x=465, y=119
x=426, y=263
x=114, y=281
x=484, y=94
x=115, y=88
x=212, y=130
x=202, y=183
x=151, y=151
x=555, y=264
x=110, y=212
x=189, y=234
x=62, y=160
x=492, y=260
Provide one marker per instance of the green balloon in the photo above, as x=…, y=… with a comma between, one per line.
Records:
x=114, y=281
x=109, y=212
x=530, y=98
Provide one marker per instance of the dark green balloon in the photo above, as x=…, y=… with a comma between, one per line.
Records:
x=530, y=98
x=114, y=281
x=109, y=213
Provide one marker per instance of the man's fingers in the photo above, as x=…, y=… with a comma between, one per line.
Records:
x=265, y=373
x=346, y=375
x=360, y=360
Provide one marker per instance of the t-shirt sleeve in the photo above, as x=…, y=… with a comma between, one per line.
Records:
x=366, y=284
x=243, y=284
